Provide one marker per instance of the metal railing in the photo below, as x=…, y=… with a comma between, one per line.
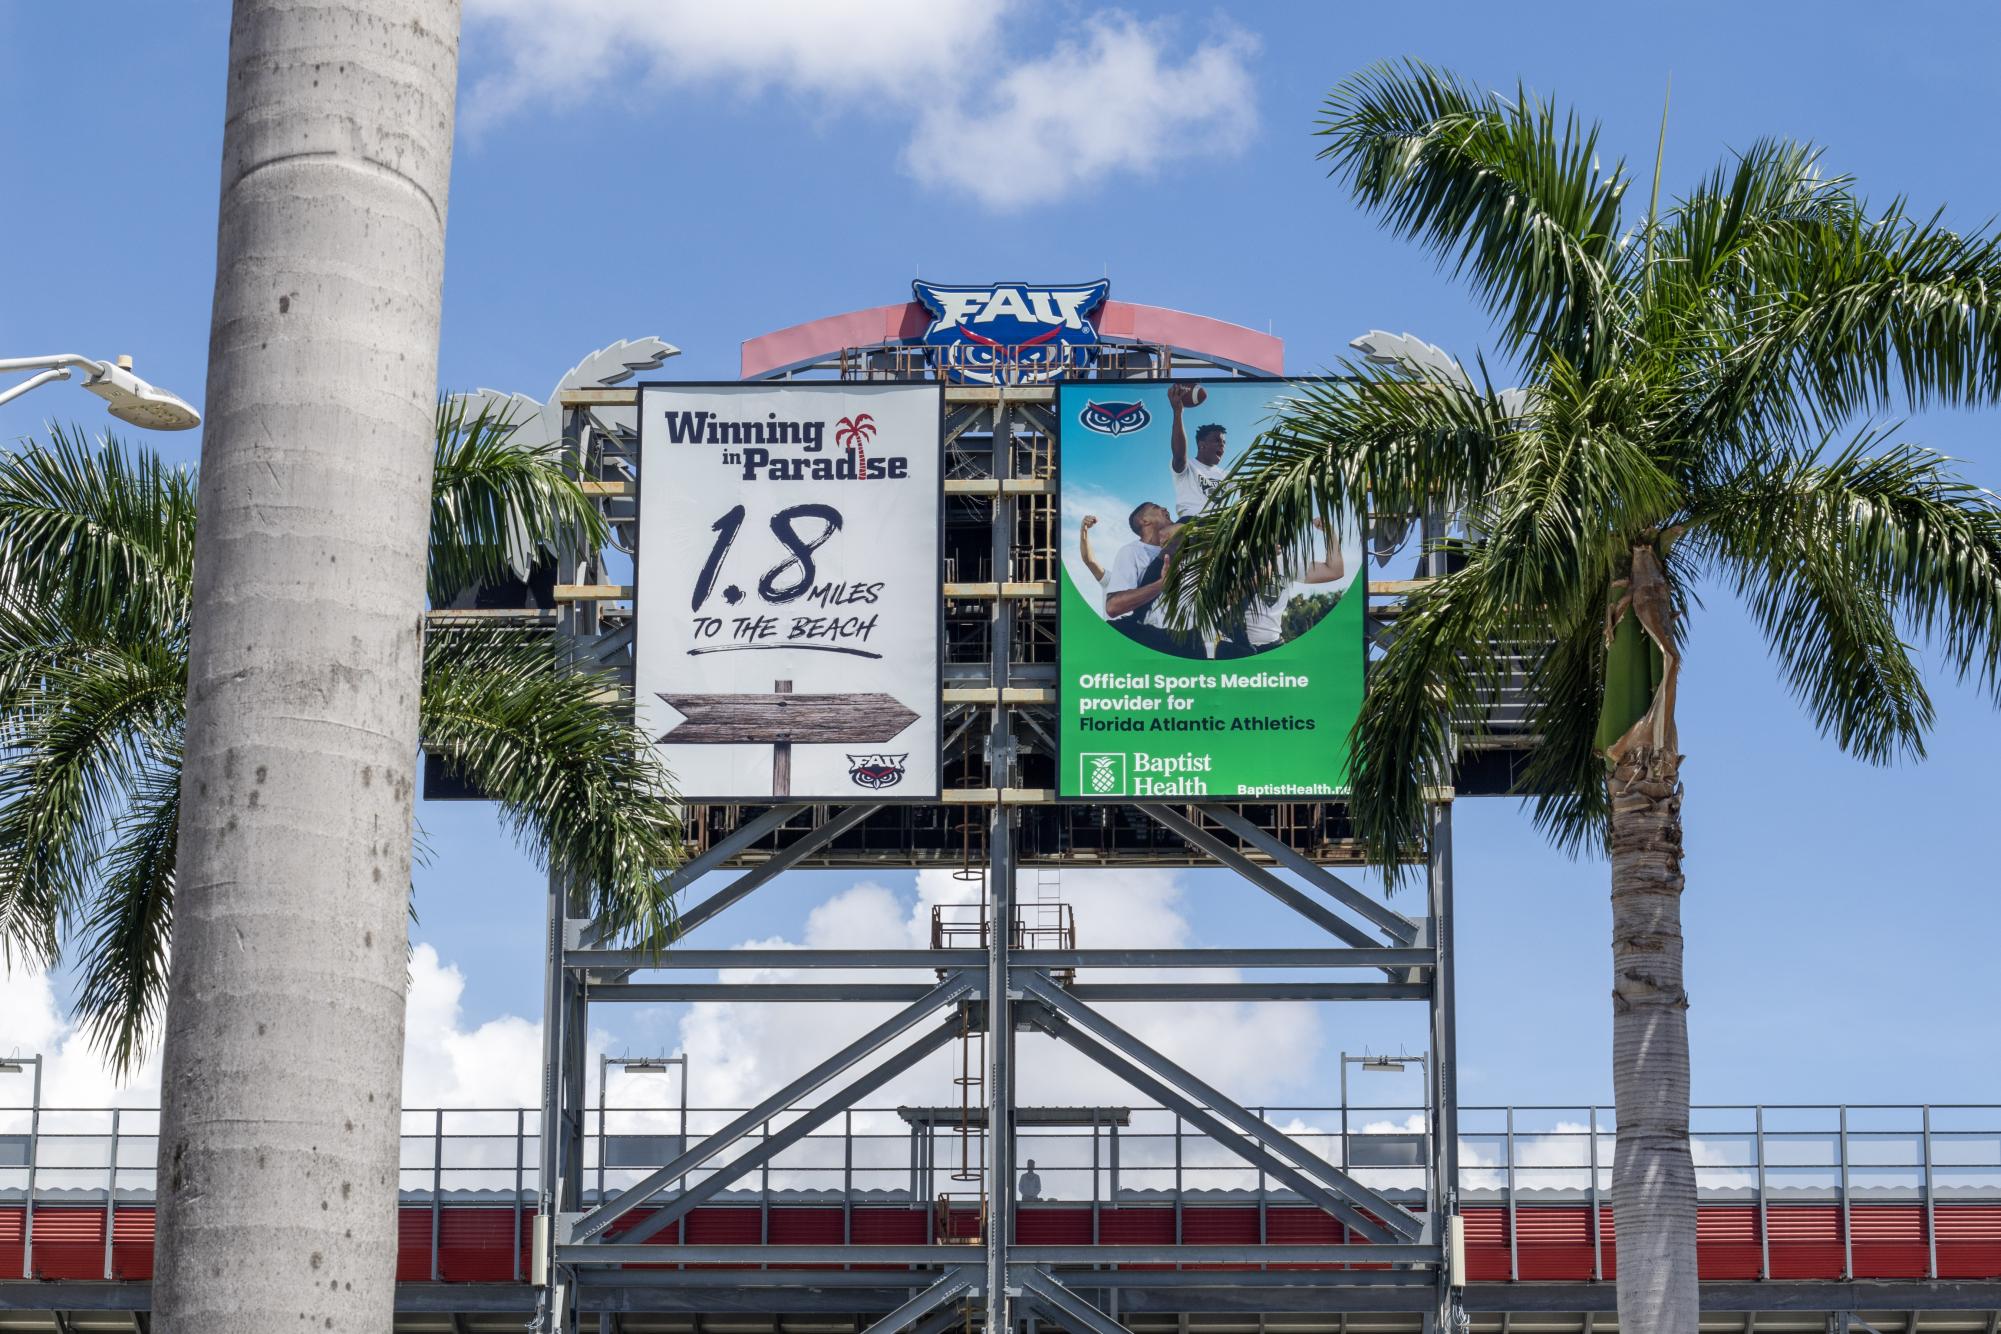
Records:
x=1513, y=1157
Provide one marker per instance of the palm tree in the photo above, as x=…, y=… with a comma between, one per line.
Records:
x=96, y=564
x=1694, y=382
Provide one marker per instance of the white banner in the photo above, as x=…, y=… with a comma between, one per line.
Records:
x=788, y=598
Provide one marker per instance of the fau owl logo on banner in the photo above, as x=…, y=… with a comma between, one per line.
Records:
x=1011, y=333
x=1115, y=418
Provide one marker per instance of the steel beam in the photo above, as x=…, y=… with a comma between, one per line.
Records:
x=1232, y=1113
x=1251, y=991
x=675, y=958
x=784, y=859
x=772, y=1145
x=1399, y=927
x=737, y=841
x=820, y=993
x=956, y=1283
x=654, y=1253
x=950, y=990
x=1442, y=1070
x=1200, y=1117
x=1073, y=1311
x=1261, y=876
x=1000, y=899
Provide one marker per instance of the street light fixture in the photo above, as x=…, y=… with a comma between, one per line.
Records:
x=638, y=1065
x=126, y=396
x=1379, y=1064
x=14, y=1065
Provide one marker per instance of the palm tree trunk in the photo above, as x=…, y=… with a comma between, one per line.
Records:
x=1653, y=1177
x=283, y=1052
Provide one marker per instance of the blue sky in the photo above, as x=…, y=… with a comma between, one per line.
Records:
x=708, y=176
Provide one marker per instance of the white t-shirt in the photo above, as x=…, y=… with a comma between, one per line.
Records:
x=1128, y=564
x=1193, y=484
x=1263, y=616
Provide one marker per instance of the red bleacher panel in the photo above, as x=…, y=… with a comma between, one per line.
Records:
x=1553, y=1242
x=1889, y=1240
x=806, y=1225
x=1146, y=1225
x=132, y=1243
x=1219, y=1225
x=13, y=1242
x=69, y=1243
x=1056, y=1226
x=1486, y=1243
x=1302, y=1225
x=1726, y=1241
x=477, y=1245
x=413, y=1245
x=1806, y=1240
x=733, y=1226
x=1969, y=1241
x=897, y=1225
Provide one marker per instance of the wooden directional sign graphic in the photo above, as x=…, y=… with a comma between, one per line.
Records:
x=782, y=718
x=713, y=720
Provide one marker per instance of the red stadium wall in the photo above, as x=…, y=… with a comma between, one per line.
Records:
x=1551, y=1243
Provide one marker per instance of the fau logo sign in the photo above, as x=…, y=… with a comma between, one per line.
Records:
x=1115, y=418
x=1011, y=333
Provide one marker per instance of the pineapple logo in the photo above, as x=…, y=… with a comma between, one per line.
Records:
x=1104, y=775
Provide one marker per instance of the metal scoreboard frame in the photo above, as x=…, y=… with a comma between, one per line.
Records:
x=996, y=817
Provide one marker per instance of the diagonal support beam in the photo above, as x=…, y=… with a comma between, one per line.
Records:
x=954, y=988
x=1202, y=1119
x=746, y=834
x=1051, y=1294
x=782, y=860
x=1401, y=928
x=961, y=1282
x=1233, y=1114
x=773, y=1145
x=1262, y=876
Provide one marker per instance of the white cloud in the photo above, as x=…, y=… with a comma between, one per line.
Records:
x=562, y=51
x=1008, y=127
x=31, y=1023
x=1116, y=101
x=445, y=1063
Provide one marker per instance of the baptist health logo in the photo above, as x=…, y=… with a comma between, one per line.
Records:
x=1102, y=775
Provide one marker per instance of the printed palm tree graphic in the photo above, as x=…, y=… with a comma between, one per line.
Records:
x=851, y=433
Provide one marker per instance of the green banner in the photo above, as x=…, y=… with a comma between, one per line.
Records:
x=1258, y=705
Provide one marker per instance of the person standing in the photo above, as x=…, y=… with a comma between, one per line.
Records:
x=1196, y=475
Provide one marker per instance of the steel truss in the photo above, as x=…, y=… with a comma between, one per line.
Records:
x=999, y=726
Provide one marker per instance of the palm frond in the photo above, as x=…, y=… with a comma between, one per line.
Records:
x=1438, y=671
x=78, y=741
x=1575, y=487
x=1506, y=193
x=124, y=953
x=498, y=501
x=1395, y=438
x=573, y=776
x=1565, y=772
x=104, y=532
x=1831, y=557
x=1857, y=310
